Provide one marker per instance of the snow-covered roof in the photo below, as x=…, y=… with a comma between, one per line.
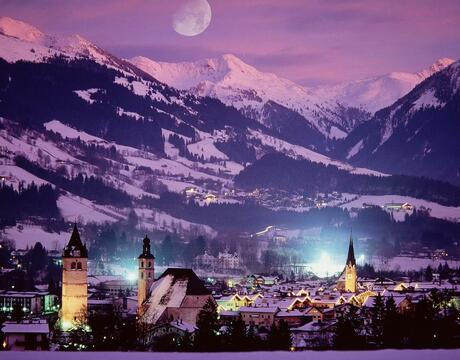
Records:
x=261, y=309
x=170, y=290
x=26, y=327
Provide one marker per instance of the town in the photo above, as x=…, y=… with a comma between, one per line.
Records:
x=70, y=307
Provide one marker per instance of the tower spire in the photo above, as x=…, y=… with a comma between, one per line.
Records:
x=351, y=252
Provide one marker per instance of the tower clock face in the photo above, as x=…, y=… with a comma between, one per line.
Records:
x=349, y=276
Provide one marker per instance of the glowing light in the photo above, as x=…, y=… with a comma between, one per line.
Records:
x=325, y=267
x=66, y=325
x=131, y=276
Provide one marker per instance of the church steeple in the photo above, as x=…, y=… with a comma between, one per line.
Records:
x=75, y=247
x=146, y=273
x=351, y=261
x=146, y=254
x=74, y=281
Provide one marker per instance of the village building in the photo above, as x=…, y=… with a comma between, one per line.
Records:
x=26, y=335
x=31, y=302
x=259, y=316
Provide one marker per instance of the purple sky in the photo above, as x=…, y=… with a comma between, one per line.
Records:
x=308, y=41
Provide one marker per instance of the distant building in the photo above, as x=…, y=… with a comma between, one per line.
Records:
x=398, y=207
x=26, y=335
x=32, y=302
x=225, y=261
x=74, y=281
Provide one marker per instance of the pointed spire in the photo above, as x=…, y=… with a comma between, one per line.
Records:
x=351, y=252
x=75, y=248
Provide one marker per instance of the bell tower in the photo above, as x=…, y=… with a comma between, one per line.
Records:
x=146, y=273
x=351, y=276
x=74, y=281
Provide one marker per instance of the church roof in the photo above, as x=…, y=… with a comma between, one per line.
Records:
x=351, y=253
x=170, y=291
x=75, y=243
x=194, y=285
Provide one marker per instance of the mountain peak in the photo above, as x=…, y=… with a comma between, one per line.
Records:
x=438, y=65
x=20, y=30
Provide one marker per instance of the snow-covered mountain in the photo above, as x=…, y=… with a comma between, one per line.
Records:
x=69, y=108
x=418, y=134
x=375, y=93
x=246, y=88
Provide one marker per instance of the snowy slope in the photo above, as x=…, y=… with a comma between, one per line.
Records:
x=378, y=92
x=436, y=210
x=238, y=84
x=417, y=135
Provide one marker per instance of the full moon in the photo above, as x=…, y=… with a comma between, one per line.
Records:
x=192, y=18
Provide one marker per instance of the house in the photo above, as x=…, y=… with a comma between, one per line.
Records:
x=292, y=318
x=259, y=316
x=398, y=207
x=178, y=294
x=26, y=335
x=313, y=335
x=226, y=317
x=176, y=327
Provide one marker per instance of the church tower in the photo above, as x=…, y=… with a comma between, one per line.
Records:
x=74, y=281
x=351, y=276
x=146, y=273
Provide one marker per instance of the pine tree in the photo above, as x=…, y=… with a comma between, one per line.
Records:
x=237, y=335
x=207, y=335
x=378, y=315
x=392, y=334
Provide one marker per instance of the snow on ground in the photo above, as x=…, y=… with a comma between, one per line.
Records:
x=179, y=186
x=438, y=211
x=162, y=221
x=67, y=132
x=445, y=354
x=299, y=151
x=75, y=208
x=30, y=234
x=405, y=263
x=427, y=99
x=206, y=149
x=131, y=114
x=355, y=149
x=15, y=175
x=86, y=94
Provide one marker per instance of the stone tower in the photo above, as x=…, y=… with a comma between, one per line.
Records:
x=74, y=281
x=146, y=273
x=351, y=276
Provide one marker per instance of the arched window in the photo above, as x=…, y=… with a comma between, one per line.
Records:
x=78, y=265
x=73, y=266
x=142, y=263
x=150, y=263
x=142, y=275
